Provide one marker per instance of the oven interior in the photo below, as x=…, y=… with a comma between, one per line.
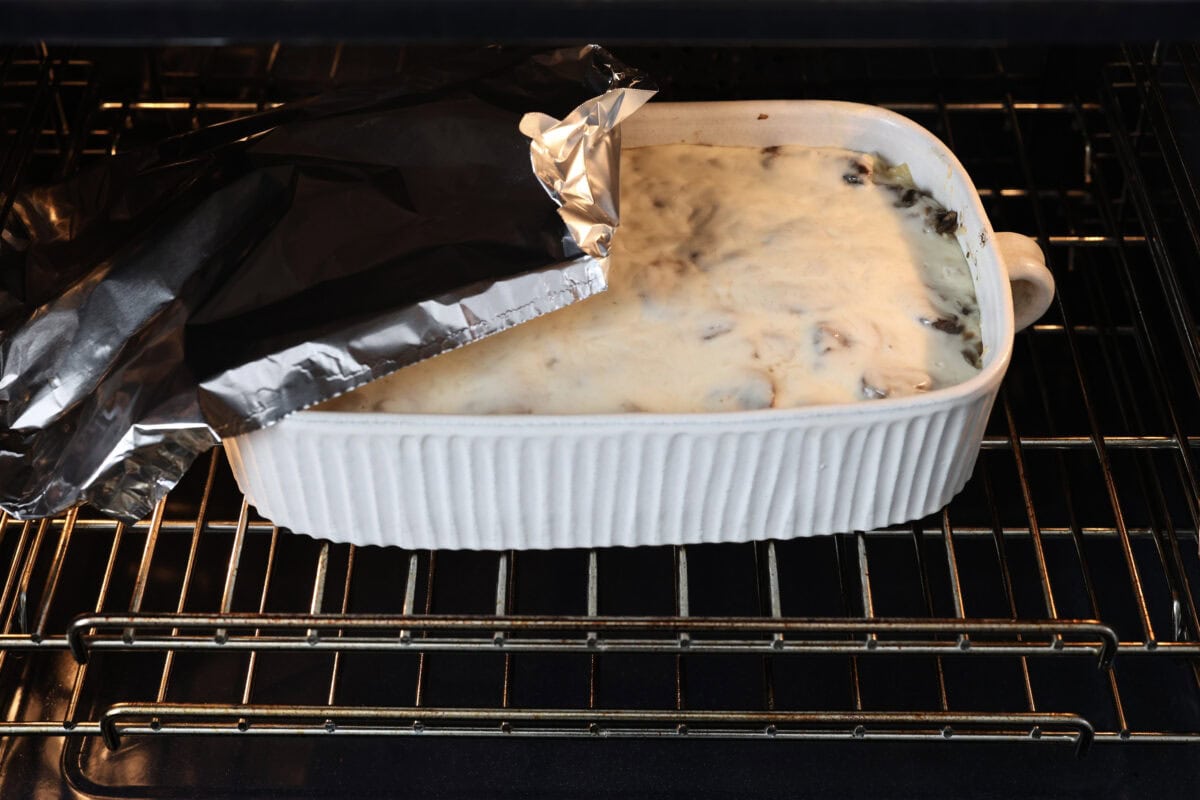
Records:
x=1040, y=633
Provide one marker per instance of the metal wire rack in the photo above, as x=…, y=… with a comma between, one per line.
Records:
x=1052, y=601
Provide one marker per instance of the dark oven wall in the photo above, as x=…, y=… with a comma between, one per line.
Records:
x=1083, y=507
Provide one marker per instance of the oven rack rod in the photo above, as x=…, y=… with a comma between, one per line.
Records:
x=324, y=720
x=224, y=526
x=1027, y=637
x=599, y=722
x=183, y=719
x=192, y=719
x=617, y=723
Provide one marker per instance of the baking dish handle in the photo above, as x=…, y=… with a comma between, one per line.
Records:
x=1032, y=284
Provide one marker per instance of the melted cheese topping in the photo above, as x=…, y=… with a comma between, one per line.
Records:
x=740, y=278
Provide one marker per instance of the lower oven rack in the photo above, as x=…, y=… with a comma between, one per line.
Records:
x=1053, y=602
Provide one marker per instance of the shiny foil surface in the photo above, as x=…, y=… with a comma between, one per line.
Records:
x=217, y=282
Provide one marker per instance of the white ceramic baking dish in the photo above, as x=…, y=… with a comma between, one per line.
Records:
x=644, y=479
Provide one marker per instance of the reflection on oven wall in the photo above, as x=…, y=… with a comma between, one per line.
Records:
x=1052, y=604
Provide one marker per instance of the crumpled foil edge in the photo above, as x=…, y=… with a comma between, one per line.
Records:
x=577, y=160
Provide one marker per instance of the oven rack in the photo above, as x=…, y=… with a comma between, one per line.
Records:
x=777, y=637
x=1067, y=567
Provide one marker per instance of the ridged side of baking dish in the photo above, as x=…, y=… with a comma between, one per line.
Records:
x=492, y=486
x=431, y=481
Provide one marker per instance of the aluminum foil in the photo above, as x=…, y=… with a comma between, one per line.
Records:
x=209, y=286
x=578, y=158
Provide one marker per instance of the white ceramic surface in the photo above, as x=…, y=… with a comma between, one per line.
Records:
x=532, y=482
